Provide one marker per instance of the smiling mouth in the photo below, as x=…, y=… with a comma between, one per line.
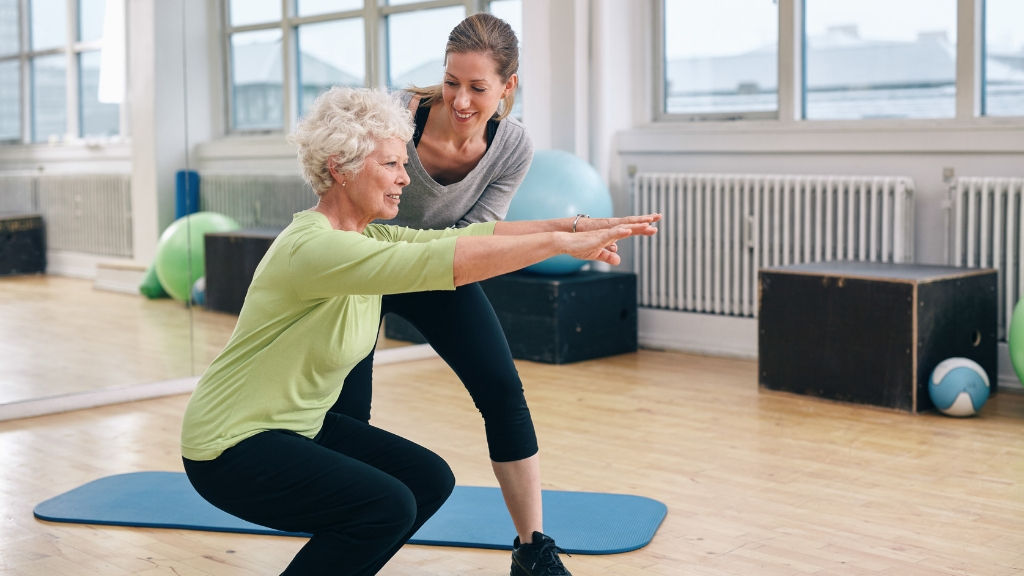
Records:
x=394, y=196
x=463, y=116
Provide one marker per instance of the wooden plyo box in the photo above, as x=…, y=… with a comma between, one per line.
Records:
x=871, y=333
x=22, y=244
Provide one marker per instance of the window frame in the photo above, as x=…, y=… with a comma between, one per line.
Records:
x=374, y=15
x=792, y=78
x=71, y=50
x=660, y=114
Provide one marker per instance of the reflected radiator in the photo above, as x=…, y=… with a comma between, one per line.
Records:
x=986, y=215
x=255, y=200
x=89, y=213
x=718, y=229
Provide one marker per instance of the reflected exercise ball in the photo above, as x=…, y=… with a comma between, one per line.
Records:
x=559, y=185
x=1015, y=339
x=958, y=387
x=172, y=251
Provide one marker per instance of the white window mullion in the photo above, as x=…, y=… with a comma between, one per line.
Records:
x=26, y=75
x=968, y=59
x=73, y=122
x=289, y=68
x=376, y=47
x=791, y=61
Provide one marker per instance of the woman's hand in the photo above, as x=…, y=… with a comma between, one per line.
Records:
x=597, y=245
x=591, y=224
x=516, y=245
x=600, y=244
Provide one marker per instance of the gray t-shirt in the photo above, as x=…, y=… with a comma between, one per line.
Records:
x=482, y=196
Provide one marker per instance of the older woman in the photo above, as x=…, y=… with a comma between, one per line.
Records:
x=257, y=439
x=467, y=157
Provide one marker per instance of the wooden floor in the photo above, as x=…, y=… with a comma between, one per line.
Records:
x=756, y=483
x=60, y=336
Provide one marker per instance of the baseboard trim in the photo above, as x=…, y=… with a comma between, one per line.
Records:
x=95, y=398
x=149, y=390
x=708, y=334
x=119, y=276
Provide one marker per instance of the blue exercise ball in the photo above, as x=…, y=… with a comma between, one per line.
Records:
x=199, y=291
x=559, y=185
x=958, y=387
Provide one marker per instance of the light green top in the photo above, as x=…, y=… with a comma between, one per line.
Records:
x=311, y=314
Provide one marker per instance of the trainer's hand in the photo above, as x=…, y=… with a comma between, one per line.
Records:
x=640, y=225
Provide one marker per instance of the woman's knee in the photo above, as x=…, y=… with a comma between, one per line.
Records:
x=394, y=513
x=435, y=485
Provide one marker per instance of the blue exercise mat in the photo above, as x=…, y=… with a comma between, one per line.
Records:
x=475, y=517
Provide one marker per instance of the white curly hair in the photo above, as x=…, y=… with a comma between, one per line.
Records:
x=343, y=126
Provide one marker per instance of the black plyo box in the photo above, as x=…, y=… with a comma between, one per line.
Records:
x=556, y=319
x=22, y=244
x=566, y=318
x=871, y=333
x=231, y=261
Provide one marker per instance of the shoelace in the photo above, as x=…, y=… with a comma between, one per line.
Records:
x=549, y=556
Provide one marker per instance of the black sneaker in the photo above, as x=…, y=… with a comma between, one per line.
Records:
x=540, y=558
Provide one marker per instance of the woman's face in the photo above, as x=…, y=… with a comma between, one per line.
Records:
x=374, y=191
x=472, y=90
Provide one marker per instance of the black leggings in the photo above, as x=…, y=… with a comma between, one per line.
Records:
x=462, y=327
x=360, y=491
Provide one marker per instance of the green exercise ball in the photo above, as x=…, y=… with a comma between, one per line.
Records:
x=1015, y=339
x=172, y=251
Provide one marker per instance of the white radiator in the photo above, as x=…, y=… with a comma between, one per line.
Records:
x=255, y=200
x=718, y=229
x=18, y=194
x=986, y=215
x=88, y=213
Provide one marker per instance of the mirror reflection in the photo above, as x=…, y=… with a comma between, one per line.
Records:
x=106, y=150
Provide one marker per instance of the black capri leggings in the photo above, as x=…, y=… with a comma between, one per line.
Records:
x=360, y=491
x=462, y=327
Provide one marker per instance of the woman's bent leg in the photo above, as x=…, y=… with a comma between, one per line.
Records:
x=359, y=512
x=462, y=327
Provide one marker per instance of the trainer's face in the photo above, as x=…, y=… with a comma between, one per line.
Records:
x=472, y=90
x=376, y=190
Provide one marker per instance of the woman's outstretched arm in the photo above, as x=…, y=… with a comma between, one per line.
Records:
x=481, y=257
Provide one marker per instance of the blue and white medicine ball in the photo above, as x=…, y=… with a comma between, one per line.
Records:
x=958, y=387
x=199, y=291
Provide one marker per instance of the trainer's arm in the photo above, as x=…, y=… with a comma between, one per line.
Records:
x=506, y=228
x=481, y=257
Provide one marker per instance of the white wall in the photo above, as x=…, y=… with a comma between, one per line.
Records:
x=172, y=100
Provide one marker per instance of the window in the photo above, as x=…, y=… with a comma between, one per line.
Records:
x=279, y=63
x=416, y=42
x=720, y=58
x=52, y=72
x=1003, y=93
x=852, y=59
x=880, y=59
